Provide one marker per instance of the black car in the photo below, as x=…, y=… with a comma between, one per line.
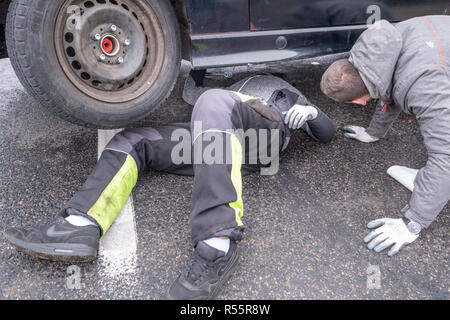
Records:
x=108, y=63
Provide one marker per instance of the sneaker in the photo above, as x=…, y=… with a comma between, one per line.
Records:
x=209, y=271
x=59, y=241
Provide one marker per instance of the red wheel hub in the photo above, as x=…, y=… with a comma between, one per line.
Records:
x=107, y=45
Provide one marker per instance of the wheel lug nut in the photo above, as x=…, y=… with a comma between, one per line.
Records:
x=127, y=42
x=102, y=57
x=113, y=28
x=97, y=36
x=120, y=60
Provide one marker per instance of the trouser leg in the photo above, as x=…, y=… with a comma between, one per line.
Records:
x=217, y=205
x=129, y=153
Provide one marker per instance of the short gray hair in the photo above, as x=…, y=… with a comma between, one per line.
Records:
x=342, y=82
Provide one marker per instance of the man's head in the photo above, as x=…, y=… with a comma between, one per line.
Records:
x=342, y=83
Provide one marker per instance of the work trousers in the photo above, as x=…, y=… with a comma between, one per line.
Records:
x=212, y=148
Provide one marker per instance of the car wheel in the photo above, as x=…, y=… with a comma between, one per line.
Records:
x=97, y=63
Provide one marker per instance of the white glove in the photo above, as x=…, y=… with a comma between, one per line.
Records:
x=358, y=133
x=389, y=232
x=297, y=116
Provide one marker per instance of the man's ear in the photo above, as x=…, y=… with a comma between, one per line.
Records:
x=363, y=100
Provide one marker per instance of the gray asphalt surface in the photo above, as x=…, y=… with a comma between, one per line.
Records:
x=304, y=226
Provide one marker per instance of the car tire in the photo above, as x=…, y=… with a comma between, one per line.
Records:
x=43, y=54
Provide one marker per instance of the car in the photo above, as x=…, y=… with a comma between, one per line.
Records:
x=109, y=63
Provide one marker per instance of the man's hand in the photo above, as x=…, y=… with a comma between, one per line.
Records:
x=297, y=116
x=358, y=133
x=389, y=232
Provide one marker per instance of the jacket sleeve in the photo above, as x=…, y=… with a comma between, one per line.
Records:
x=431, y=190
x=432, y=184
x=385, y=115
x=322, y=128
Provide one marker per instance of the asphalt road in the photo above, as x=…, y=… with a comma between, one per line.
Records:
x=304, y=226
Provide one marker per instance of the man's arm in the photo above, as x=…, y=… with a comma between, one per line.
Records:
x=431, y=190
x=385, y=115
x=321, y=128
x=431, y=187
x=430, y=195
x=432, y=184
x=382, y=120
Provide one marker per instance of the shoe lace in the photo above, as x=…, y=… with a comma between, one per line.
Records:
x=198, y=269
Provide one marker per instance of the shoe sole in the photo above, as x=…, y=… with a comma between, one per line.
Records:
x=65, y=252
x=216, y=288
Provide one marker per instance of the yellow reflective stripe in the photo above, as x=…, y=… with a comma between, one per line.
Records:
x=245, y=98
x=236, y=178
x=113, y=198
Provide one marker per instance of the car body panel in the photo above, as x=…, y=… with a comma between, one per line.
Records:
x=217, y=16
x=219, y=33
x=288, y=14
x=287, y=29
x=252, y=47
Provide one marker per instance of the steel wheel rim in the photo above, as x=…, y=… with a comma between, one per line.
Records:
x=135, y=64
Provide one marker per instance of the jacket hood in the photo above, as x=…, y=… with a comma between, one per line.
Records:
x=375, y=56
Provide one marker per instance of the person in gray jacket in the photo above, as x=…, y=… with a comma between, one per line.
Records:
x=406, y=67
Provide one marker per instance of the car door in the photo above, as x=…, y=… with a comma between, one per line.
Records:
x=293, y=14
x=238, y=32
x=217, y=16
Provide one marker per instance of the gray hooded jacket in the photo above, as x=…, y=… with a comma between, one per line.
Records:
x=407, y=67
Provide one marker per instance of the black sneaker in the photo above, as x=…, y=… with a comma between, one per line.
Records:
x=209, y=271
x=59, y=241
